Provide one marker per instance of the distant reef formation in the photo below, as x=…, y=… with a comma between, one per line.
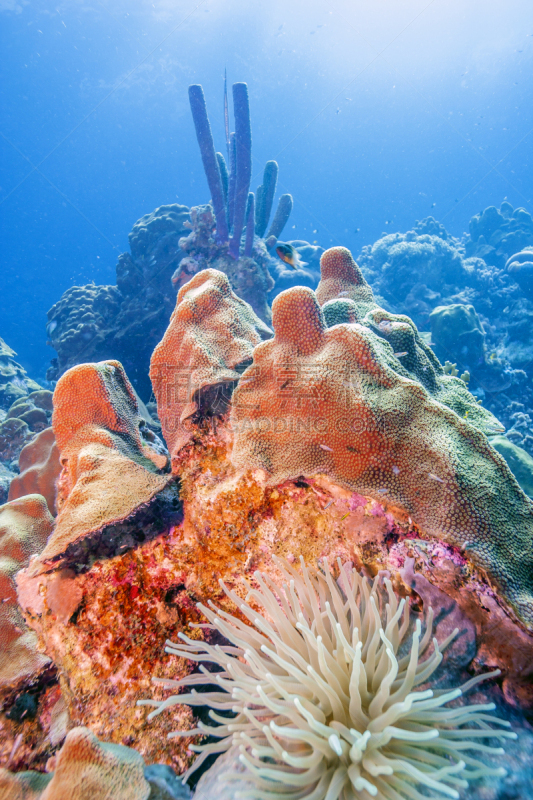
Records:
x=473, y=299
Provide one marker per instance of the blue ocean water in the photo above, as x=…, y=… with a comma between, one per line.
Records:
x=378, y=113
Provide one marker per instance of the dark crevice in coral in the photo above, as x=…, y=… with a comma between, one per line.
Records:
x=22, y=703
x=147, y=522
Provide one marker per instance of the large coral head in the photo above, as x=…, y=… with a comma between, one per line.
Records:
x=327, y=708
x=338, y=262
x=340, y=276
x=298, y=320
x=94, y=394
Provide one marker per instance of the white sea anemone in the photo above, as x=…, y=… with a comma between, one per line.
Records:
x=326, y=706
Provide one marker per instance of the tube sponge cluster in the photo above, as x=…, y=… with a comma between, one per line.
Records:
x=324, y=686
x=233, y=204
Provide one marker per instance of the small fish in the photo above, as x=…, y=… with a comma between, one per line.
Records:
x=289, y=255
x=50, y=328
x=400, y=355
x=325, y=447
x=385, y=326
x=396, y=470
x=343, y=294
x=435, y=477
x=327, y=505
x=383, y=491
x=466, y=415
x=346, y=515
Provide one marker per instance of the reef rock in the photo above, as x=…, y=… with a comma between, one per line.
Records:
x=24, y=410
x=25, y=417
x=31, y=721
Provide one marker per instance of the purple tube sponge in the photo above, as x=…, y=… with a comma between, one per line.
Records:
x=282, y=215
x=265, y=197
x=231, y=184
x=250, y=217
x=209, y=159
x=243, y=159
x=223, y=176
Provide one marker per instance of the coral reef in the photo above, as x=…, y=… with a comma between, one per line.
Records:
x=84, y=768
x=332, y=401
x=520, y=266
x=411, y=486
x=426, y=268
x=30, y=704
x=324, y=706
x=25, y=409
x=457, y=331
x=519, y=461
x=26, y=417
x=88, y=769
x=340, y=437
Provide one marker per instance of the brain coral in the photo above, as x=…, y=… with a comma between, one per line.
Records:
x=334, y=401
x=110, y=479
x=326, y=708
x=209, y=340
x=25, y=525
